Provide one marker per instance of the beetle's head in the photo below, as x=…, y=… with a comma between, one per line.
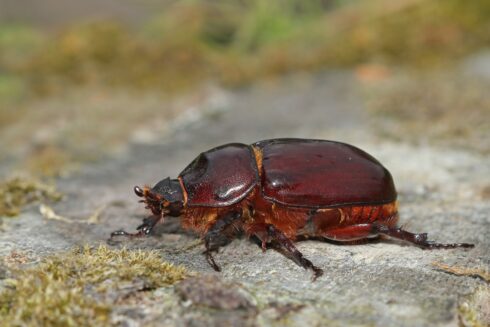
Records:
x=163, y=199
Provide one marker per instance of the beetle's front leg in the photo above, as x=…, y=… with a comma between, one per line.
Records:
x=220, y=234
x=267, y=232
x=142, y=230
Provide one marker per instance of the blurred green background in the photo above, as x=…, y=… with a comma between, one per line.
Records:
x=109, y=81
x=66, y=66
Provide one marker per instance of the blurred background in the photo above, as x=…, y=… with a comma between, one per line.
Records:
x=80, y=80
x=97, y=96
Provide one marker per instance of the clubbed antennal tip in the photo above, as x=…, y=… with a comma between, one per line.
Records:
x=138, y=191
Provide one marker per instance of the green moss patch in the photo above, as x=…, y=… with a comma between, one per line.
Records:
x=475, y=310
x=16, y=193
x=237, y=41
x=78, y=288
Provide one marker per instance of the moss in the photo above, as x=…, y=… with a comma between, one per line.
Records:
x=475, y=310
x=16, y=193
x=17, y=42
x=419, y=33
x=49, y=160
x=194, y=41
x=12, y=89
x=78, y=288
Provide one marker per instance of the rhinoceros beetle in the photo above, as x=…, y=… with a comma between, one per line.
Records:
x=279, y=191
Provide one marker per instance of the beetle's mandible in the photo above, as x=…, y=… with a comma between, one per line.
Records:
x=280, y=191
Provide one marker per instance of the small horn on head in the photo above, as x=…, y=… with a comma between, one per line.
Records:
x=138, y=191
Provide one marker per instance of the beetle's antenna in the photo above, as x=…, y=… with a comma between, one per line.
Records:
x=139, y=192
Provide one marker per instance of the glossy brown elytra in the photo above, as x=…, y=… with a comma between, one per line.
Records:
x=279, y=191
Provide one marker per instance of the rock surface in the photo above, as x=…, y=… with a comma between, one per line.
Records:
x=441, y=191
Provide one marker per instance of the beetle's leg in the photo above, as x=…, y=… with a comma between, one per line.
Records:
x=287, y=247
x=364, y=231
x=220, y=234
x=143, y=230
x=417, y=239
x=260, y=231
x=149, y=223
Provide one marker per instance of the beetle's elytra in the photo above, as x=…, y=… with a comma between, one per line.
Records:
x=279, y=191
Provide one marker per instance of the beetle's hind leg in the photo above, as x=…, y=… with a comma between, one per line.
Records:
x=417, y=239
x=269, y=233
x=372, y=230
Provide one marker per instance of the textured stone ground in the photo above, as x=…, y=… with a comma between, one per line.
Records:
x=441, y=191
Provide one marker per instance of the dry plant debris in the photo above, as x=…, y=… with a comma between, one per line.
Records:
x=464, y=271
x=48, y=213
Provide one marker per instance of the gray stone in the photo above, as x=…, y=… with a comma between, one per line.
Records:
x=383, y=283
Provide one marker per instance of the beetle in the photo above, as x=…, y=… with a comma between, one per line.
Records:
x=280, y=191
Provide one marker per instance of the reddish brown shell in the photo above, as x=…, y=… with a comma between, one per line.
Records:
x=322, y=174
x=221, y=176
x=294, y=172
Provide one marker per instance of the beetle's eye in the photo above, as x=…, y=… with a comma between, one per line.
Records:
x=138, y=191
